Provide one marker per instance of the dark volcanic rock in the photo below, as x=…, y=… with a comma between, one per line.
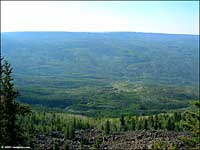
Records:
x=57, y=134
x=142, y=140
x=40, y=137
x=89, y=139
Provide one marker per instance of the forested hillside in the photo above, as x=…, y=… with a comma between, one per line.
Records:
x=106, y=73
x=99, y=91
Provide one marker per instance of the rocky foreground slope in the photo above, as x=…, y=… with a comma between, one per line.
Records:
x=95, y=139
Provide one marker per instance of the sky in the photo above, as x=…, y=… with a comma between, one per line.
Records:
x=100, y=16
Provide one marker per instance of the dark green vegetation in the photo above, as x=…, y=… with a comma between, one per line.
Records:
x=11, y=131
x=192, y=124
x=41, y=125
x=105, y=74
x=69, y=131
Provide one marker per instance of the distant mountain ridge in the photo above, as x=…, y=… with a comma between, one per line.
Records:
x=162, y=58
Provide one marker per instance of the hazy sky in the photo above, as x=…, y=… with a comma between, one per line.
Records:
x=160, y=17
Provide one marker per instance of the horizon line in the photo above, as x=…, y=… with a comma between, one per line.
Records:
x=105, y=32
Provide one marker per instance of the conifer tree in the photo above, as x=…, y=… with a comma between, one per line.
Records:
x=107, y=127
x=123, y=126
x=170, y=124
x=145, y=124
x=177, y=116
x=2, y=107
x=151, y=121
x=122, y=121
x=12, y=132
x=71, y=132
x=159, y=125
x=156, y=122
x=66, y=132
x=139, y=124
x=10, y=110
x=133, y=124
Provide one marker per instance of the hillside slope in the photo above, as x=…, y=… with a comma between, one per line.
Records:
x=72, y=69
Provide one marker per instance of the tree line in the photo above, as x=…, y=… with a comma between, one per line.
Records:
x=170, y=121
